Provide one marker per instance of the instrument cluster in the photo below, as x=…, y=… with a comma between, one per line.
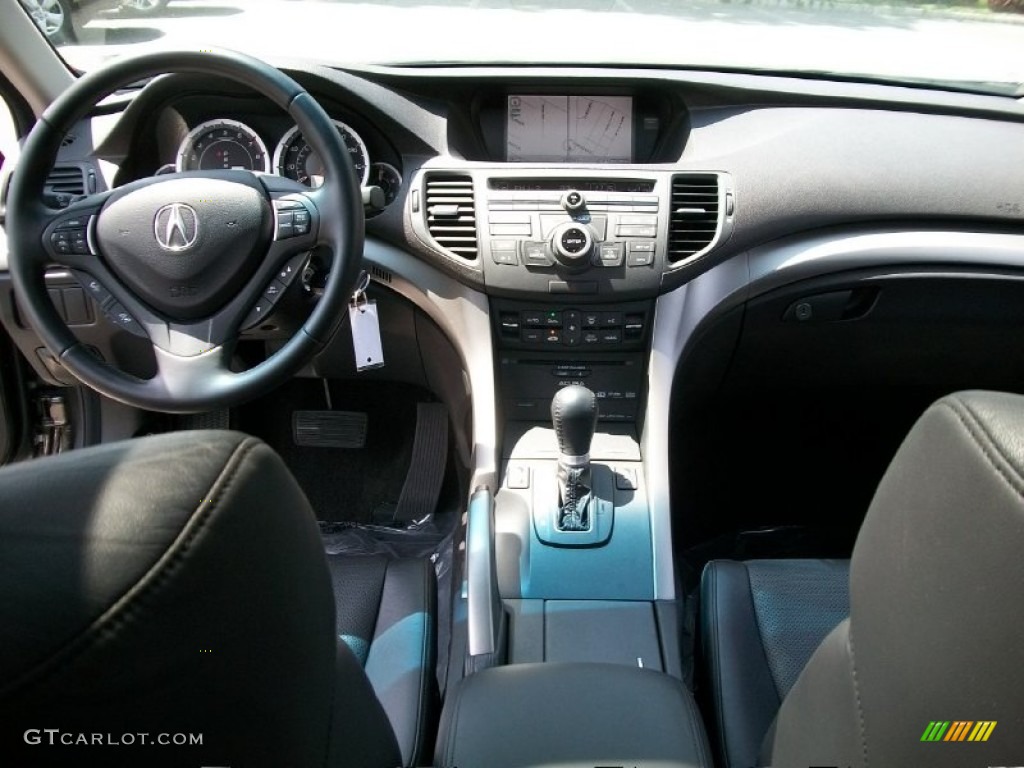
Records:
x=227, y=144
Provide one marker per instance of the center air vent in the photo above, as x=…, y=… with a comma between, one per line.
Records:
x=64, y=183
x=451, y=216
x=694, y=222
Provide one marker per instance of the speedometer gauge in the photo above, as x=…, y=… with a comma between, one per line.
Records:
x=219, y=145
x=295, y=159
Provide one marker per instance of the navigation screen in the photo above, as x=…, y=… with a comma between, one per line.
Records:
x=570, y=129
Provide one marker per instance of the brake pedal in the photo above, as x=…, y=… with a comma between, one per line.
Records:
x=329, y=429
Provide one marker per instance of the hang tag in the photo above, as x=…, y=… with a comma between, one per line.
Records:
x=369, y=354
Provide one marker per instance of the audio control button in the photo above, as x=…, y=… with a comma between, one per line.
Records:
x=572, y=244
x=608, y=255
x=573, y=241
x=536, y=254
x=573, y=200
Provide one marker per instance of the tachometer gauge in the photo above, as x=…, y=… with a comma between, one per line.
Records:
x=223, y=145
x=295, y=159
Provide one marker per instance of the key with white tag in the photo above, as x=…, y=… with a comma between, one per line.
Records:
x=365, y=323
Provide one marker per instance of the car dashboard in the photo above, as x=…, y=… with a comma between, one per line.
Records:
x=762, y=279
x=586, y=226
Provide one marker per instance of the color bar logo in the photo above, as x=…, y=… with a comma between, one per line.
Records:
x=958, y=730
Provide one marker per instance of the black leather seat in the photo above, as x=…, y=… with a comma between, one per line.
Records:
x=932, y=643
x=387, y=611
x=760, y=622
x=178, y=585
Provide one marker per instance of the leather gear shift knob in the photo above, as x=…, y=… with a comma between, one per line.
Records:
x=574, y=415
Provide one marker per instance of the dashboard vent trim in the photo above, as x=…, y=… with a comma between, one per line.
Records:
x=380, y=274
x=451, y=213
x=64, y=183
x=695, y=222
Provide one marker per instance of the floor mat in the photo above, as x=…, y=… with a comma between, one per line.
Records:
x=342, y=484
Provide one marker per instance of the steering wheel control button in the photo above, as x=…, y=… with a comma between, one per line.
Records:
x=573, y=200
x=71, y=236
x=93, y=287
x=292, y=269
x=285, y=225
x=120, y=317
x=61, y=242
x=259, y=312
x=275, y=291
x=300, y=222
x=293, y=219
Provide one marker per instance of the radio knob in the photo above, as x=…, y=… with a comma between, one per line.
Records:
x=573, y=200
x=572, y=244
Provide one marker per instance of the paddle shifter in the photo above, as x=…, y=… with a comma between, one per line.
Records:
x=574, y=414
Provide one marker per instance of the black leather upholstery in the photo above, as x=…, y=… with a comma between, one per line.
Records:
x=386, y=615
x=760, y=622
x=571, y=715
x=176, y=584
x=936, y=586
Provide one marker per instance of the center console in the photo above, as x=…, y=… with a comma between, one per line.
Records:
x=563, y=593
x=573, y=715
x=573, y=264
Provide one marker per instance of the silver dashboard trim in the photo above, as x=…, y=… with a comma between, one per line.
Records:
x=463, y=314
x=679, y=313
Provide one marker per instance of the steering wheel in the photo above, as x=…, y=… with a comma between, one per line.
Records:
x=190, y=257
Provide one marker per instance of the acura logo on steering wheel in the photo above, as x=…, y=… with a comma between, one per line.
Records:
x=176, y=227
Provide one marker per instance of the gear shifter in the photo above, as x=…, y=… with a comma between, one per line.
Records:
x=574, y=415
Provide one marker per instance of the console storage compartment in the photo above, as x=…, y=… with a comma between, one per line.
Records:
x=571, y=714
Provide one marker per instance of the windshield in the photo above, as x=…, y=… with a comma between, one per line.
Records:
x=978, y=44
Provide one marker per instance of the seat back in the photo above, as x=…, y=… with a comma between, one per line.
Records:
x=175, y=587
x=761, y=620
x=931, y=655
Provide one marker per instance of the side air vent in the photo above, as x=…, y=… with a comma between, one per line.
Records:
x=451, y=217
x=64, y=183
x=694, y=221
x=380, y=274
